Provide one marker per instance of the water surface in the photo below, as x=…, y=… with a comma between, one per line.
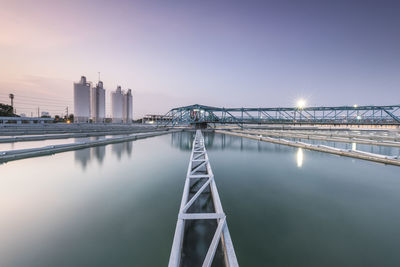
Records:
x=112, y=205
x=49, y=142
x=382, y=150
x=117, y=205
x=293, y=207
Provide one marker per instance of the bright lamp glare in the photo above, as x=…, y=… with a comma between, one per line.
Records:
x=299, y=157
x=301, y=103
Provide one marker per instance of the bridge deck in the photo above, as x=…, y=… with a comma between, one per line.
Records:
x=197, y=210
x=342, y=115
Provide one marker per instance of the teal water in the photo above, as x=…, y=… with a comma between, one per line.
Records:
x=117, y=205
x=382, y=150
x=292, y=207
x=42, y=143
x=113, y=205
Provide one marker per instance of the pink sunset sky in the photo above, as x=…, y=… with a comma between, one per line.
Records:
x=220, y=53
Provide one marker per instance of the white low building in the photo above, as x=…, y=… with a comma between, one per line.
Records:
x=45, y=114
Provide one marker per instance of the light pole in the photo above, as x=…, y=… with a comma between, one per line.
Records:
x=12, y=100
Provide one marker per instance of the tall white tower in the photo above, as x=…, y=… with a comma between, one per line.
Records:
x=98, y=103
x=82, y=100
x=117, y=102
x=127, y=107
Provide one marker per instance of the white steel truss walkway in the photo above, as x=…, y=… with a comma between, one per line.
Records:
x=199, y=189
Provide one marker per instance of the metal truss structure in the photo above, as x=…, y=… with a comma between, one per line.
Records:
x=359, y=115
x=201, y=209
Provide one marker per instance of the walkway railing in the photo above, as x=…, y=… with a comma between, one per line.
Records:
x=200, y=182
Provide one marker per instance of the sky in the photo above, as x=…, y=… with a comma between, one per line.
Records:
x=217, y=53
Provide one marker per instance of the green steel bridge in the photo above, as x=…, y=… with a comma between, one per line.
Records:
x=340, y=115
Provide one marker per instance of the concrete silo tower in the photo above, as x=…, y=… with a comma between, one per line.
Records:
x=128, y=107
x=82, y=100
x=98, y=103
x=117, y=102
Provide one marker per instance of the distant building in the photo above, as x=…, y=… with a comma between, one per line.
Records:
x=155, y=118
x=45, y=114
x=82, y=100
x=98, y=103
x=90, y=103
x=127, y=107
x=117, y=100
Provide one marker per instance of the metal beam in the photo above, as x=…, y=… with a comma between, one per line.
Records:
x=221, y=233
x=369, y=115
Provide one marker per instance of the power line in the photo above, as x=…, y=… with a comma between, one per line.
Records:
x=30, y=104
x=39, y=101
x=43, y=109
x=38, y=98
x=19, y=103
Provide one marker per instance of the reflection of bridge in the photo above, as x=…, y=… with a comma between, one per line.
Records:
x=214, y=142
x=344, y=115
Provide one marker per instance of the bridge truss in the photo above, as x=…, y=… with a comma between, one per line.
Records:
x=201, y=212
x=347, y=115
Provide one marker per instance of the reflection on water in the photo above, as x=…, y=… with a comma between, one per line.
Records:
x=99, y=152
x=120, y=149
x=84, y=156
x=101, y=206
x=354, y=146
x=227, y=142
x=215, y=141
x=299, y=157
x=182, y=141
x=34, y=144
x=117, y=205
x=336, y=210
x=383, y=150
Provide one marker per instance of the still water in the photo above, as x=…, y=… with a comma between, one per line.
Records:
x=383, y=150
x=49, y=142
x=117, y=205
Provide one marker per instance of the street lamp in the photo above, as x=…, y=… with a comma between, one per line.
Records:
x=301, y=103
x=12, y=99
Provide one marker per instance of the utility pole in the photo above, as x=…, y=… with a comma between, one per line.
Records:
x=66, y=110
x=38, y=110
